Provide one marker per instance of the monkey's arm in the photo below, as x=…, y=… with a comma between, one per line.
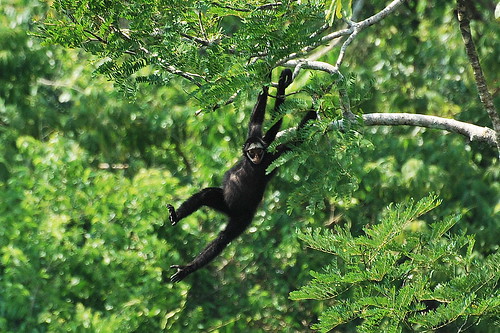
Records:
x=234, y=228
x=259, y=110
x=284, y=81
x=282, y=148
x=257, y=117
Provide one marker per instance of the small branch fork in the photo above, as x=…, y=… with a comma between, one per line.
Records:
x=353, y=29
x=299, y=61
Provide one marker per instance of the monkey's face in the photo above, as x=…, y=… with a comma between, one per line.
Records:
x=255, y=152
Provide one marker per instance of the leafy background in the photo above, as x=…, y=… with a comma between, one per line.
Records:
x=87, y=166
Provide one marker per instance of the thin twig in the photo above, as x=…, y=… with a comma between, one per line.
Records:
x=355, y=28
x=202, y=28
x=344, y=46
x=97, y=37
x=247, y=10
x=229, y=101
x=307, y=49
x=163, y=64
x=196, y=39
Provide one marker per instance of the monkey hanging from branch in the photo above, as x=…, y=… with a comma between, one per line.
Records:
x=243, y=185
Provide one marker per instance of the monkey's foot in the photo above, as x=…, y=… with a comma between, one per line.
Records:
x=182, y=272
x=172, y=215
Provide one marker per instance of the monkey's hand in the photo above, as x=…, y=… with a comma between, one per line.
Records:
x=172, y=215
x=286, y=78
x=182, y=272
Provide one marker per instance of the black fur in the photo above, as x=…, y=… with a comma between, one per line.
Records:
x=243, y=185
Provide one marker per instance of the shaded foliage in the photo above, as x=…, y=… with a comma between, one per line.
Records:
x=403, y=275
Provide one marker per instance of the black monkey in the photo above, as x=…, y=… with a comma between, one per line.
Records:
x=243, y=185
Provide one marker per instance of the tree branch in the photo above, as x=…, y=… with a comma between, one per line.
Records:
x=484, y=94
x=163, y=64
x=263, y=7
x=198, y=40
x=307, y=49
x=471, y=131
x=314, y=65
x=351, y=31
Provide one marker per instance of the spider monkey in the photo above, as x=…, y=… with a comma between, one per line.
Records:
x=243, y=185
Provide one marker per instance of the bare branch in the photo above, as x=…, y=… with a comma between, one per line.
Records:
x=318, y=32
x=315, y=65
x=353, y=29
x=471, y=131
x=381, y=15
x=482, y=87
x=344, y=46
x=313, y=46
x=189, y=76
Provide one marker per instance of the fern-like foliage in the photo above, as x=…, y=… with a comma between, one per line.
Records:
x=219, y=47
x=319, y=162
x=397, y=277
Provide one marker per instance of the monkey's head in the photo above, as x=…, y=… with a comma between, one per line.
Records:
x=254, y=150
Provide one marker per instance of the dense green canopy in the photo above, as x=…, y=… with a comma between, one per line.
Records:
x=110, y=110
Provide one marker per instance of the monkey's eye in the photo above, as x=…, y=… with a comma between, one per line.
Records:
x=255, y=152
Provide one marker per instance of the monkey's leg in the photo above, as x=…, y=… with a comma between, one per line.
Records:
x=211, y=196
x=234, y=228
